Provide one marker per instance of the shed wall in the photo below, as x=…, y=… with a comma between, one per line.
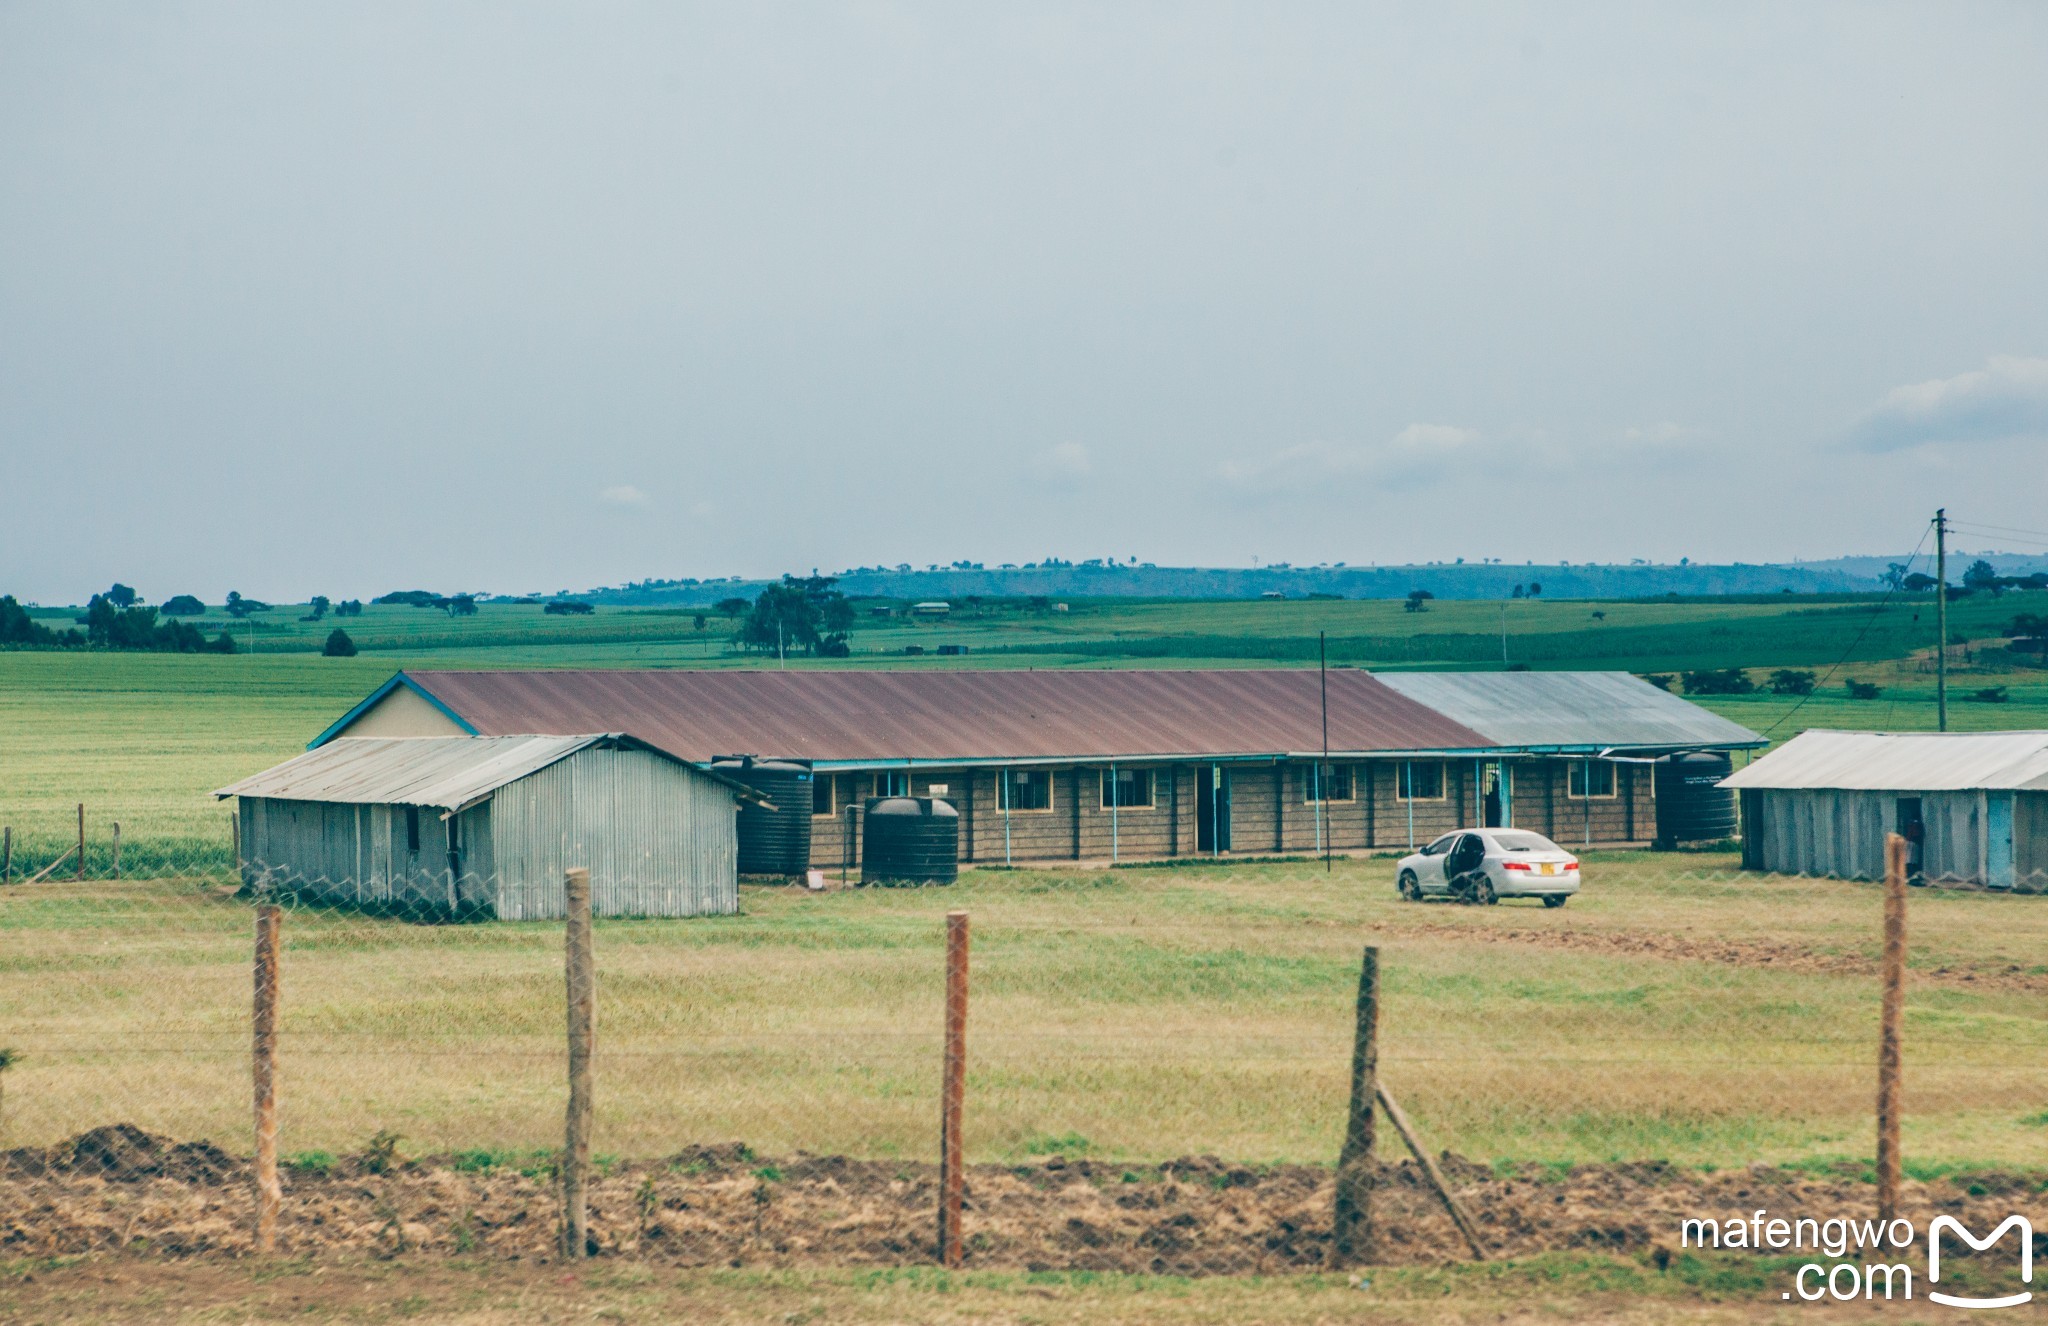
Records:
x=359, y=855
x=659, y=841
x=1842, y=834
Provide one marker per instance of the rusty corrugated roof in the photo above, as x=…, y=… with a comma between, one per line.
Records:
x=966, y=717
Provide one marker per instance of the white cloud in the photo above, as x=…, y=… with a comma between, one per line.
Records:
x=1660, y=434
x=623, y=494
x=1065, y=465
x=1415, y=454
x=2008, y=398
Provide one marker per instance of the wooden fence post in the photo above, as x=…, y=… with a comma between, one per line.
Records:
x=269, y=1196
x=117, y=849
x=1459, y=1215
x=953, y=1092
x=7, y=855
x=1353, y=1227
x=1889, y=1051
x=580, y=963
x=81, y=842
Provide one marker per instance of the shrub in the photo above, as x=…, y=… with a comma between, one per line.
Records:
x=1718, y=681
x=568, y=607
x=1661, y=680
x=1789, y=681
x=338, y=645
x=1989, y=695
x=1862, y=690
x=182, y=605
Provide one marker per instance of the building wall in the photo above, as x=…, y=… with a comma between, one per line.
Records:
x=360, y=855
x=1269, y=812
x=2030, y=841
x=1842, y=834
x=404, y=713
x=659, y=839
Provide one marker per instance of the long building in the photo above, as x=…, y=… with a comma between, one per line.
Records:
x=1128, y=764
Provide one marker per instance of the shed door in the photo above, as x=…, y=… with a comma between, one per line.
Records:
x=1998, y=840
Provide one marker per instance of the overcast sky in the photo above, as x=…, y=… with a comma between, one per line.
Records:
x=344, y=298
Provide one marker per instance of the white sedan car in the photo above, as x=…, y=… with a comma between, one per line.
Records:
x=1486, y=865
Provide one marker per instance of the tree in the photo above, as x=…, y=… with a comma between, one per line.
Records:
x=807, y=613
x=1981, y=575
x=1788, y=681
x=567, y=608
x=1535, y=589
x=239, y=607
x=338, y=645
x=698, y=622
x=349, y=608
x=1894, y=576
x=732, y=607
x=459, y=605
x=1519, y=592
x=182, y=605
x=1661, y=680
x=1917, y=583
x=121, y=596
x=319, y=606
x=1417, y=601
x=2028, y=633
x=1862, y=690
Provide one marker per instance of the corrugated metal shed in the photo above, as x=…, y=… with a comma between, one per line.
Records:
x=1570, y=710
x=1903, y=762
x=959, y=717
x=448, y=773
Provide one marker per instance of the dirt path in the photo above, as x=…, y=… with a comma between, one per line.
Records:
x=1782, y=954
x=120, y=1190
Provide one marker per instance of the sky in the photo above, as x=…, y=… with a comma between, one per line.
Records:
x=339, y=299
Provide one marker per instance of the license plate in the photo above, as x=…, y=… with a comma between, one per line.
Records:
x=1549, y=869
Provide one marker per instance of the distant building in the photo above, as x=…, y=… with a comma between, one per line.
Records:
x=1093, y=764
x=932, y=608
x=1973, y=806
x=482, y=827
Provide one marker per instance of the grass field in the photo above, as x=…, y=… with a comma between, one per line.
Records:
x=1679, y=1009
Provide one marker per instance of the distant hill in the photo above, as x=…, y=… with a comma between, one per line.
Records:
x=1450, y=581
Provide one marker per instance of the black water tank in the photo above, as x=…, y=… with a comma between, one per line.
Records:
x=1691, y=808
x=778, y=841
x=909, y=840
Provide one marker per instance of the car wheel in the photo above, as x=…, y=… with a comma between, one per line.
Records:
x=1555, y=899
x=1482, y=891
x=1409, y=889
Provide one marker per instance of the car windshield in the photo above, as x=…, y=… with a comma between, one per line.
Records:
x=1524, y=842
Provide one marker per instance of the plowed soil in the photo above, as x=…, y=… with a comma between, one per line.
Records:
x=119, y=1189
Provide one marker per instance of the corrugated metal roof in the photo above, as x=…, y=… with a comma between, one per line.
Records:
x=1569, y=709
x=1903, y=762
x=962, y=717
x=449, y=773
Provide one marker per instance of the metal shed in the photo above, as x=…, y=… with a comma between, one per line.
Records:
x=1972, y=805
x=482, y=827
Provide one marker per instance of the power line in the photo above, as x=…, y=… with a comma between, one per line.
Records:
x=1875, y=613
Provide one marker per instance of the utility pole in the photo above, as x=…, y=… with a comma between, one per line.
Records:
x=1941, y=619
x=1503, y=632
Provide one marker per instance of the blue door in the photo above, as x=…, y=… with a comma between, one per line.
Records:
x=1998, y=839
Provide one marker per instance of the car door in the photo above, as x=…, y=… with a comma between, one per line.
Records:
x=1465, y=856
x=1430, y=872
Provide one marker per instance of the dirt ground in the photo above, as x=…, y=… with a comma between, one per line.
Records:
x=119, y=1190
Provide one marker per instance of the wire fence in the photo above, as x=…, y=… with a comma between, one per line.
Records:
x=1156, y=1068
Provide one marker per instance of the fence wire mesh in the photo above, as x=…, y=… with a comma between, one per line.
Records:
x=1158, y=1063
